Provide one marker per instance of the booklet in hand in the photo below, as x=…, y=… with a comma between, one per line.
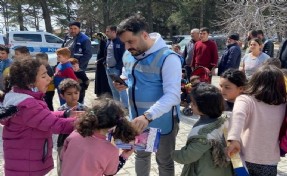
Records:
x=147, y=141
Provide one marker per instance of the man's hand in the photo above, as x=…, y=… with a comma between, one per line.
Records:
x=119, y=87
x=140, y=123
x=233, y=148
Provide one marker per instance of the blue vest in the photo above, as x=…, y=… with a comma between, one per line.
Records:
x=145, y=86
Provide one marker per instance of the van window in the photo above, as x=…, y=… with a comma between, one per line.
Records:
x=52, y=39
x=28, y=37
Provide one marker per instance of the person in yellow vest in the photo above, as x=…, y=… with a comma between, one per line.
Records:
x=43, y=58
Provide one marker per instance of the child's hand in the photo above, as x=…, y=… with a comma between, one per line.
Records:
x=126, y=153
x=233, y=148
x=76, y=113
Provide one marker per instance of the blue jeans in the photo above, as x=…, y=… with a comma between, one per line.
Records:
x=121, y=96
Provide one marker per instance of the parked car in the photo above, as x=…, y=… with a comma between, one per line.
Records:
x=91, y=65
x=181, y=40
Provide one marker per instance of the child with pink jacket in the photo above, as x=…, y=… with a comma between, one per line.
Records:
x=27, y=135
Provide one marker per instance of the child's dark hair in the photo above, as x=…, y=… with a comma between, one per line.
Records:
x=235, y=76
x=257, y=40
x=23, y=73
x=176, y=46
x=43, y=56
x=67, y=84
x=6, y=87
x=273, y=61
x=208, y=99
x=22, y=49
x=267, y=84
x=4, y=48
x=106, y=113
x=194, y=79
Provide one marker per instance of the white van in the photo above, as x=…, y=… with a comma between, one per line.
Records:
x=35, y=41
x=41, y=42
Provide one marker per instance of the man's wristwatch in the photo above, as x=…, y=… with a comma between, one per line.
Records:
x=148, y=116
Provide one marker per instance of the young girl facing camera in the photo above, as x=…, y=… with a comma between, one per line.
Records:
x=27, y=135
x=87, y=152
x=256, y=120
x=204, y=151
x=232, y=83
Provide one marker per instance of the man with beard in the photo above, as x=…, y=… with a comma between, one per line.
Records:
x=79, y=44
x=232, y=55
x=154, y=75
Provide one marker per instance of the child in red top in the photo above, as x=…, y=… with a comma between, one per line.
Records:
x=64, y=69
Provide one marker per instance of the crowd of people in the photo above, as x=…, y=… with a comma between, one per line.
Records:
x=140, y=84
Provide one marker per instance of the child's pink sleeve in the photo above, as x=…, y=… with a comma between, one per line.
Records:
x=112, y=166
x=59, y=114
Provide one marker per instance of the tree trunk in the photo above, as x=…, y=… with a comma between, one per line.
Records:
x=46, y=15
x=36, y=18
x=202, y=10
x=20, y=17
x=69, y=19
x=149, y=17
x=106, y=12
x=5, y=15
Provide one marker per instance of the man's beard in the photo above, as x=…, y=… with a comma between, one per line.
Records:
x=135, y=52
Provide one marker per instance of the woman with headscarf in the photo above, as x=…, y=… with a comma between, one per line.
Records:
x=101, y=81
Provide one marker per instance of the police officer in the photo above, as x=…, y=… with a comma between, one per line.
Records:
x=79, y=44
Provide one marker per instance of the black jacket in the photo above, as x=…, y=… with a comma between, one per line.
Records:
x=268, y=48
x=119, y=49
x=283, y=54
x=230, y=59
